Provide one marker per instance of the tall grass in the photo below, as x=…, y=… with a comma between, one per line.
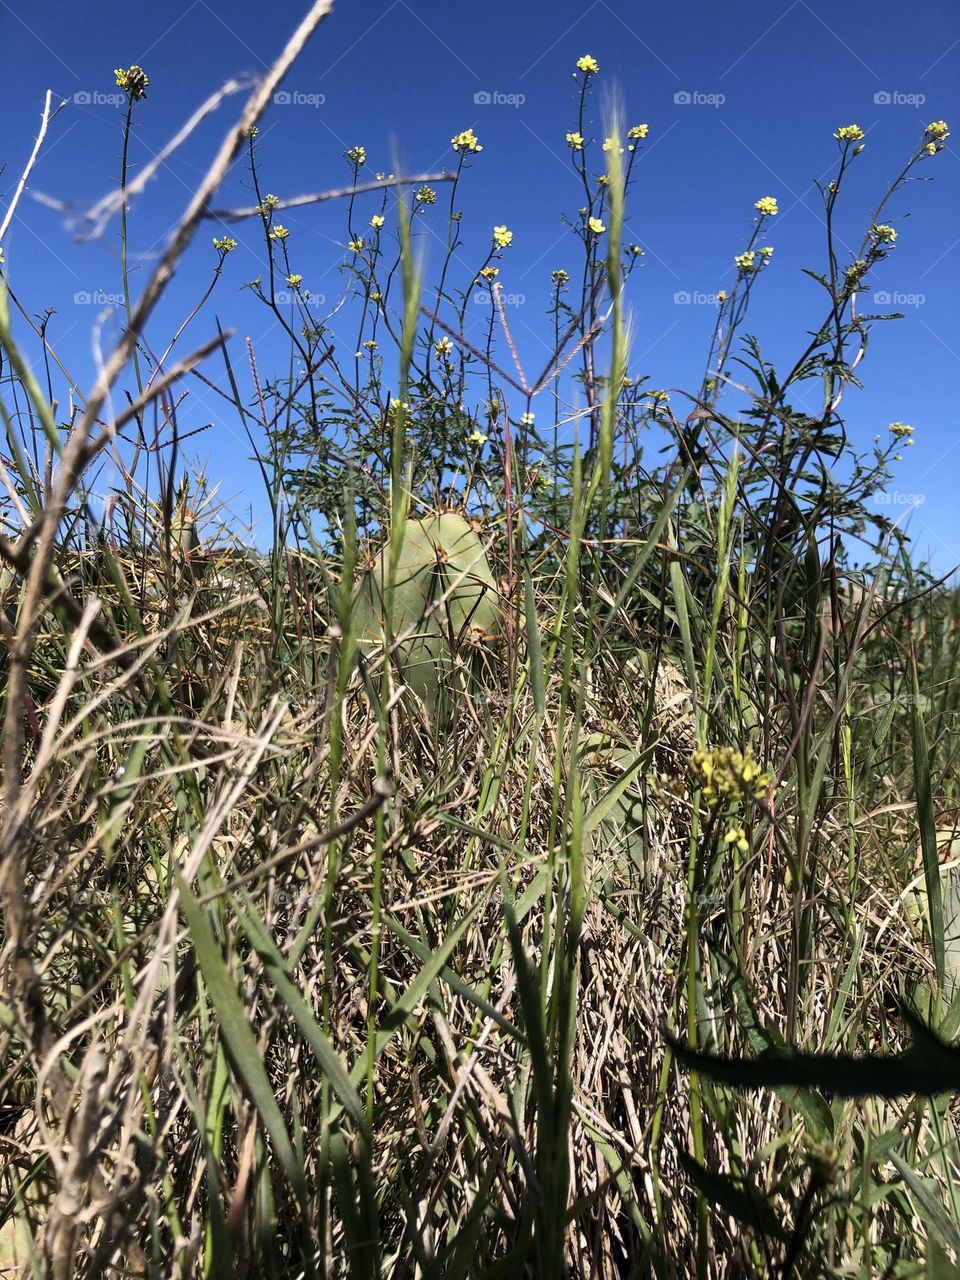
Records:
x=305, y=974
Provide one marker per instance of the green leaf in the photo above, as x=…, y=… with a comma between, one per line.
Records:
x=238, y=1037
x=924, y=1191
x=735, y=1198
x=928, y=828
x=275, y=969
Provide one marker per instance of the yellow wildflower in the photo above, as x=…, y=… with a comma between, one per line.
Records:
x=502, y=238
x=849, y=133
x=442, y=348
x=294, y=280
x=357, y=156
x=575, y=141
x=465, y=141
x=279, y=232
x=377, y=221
x=224, y=244
x=489, y=273
x=426, y=195
x=737, y=836
x=767, y=206
x=882, y=234
x=596, y=226
x=745, y=261
x=588, y=65
x=477, y=437
x=134, y=80
x=727, y=775
x=356, y=245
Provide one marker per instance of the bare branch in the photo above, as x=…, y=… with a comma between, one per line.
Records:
x=337, y=193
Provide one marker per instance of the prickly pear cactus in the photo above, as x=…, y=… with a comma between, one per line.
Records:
x=445, y=603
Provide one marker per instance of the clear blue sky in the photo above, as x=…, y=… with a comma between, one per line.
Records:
x=771, y=83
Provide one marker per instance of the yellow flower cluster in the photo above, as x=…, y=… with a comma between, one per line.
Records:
x=575, y=141
x=465, y=141
x=502, y=238
x=489, y=273
x=737, y=836
x=588, y=65
x=426, y=195
x=559, y=277
x=855, y=271
x=357, y=156
x=902, y=431
x=728, y=775
x=270, y=201
x=938, y=132
x=294, y=280
x=356, y=244
x=638, y=131
x=442, y=348
x=880, y=233
x=596, y=226
x=224, y=244
x=377, y=221
x=279, y=232
x=477, y=437
x=767, y=206
x=766, y=253
x=745, y=261
x=134, y=80
x=849, y=133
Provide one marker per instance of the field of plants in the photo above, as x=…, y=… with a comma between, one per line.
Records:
x=536, y=857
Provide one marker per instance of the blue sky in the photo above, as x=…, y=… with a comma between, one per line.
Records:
x=742, y=101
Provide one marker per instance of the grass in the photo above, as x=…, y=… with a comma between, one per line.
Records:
x=307, y=975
